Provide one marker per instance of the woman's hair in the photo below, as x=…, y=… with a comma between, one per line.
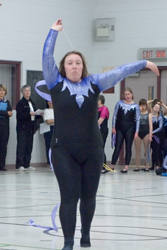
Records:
x=24, y=87
x=47, y=105
x=143, y=102
x=156, y=101
x=62, y=69
x=4, y=88
x=101, y=98
x=129, y=90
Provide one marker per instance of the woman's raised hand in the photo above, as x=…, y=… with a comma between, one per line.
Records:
x=153, y=67
x=57, y=25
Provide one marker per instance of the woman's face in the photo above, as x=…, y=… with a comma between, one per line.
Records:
x=99, y=103
x=73, y=66
x=50, y=105
x=156, y=108
x=143, y=108
x=128, y=96
x=2, y=93
x=27, y=93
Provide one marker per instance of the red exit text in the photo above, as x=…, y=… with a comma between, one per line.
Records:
x=157, y=54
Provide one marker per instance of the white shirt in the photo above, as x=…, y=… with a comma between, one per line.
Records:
x=48, y=115
x=31, y=110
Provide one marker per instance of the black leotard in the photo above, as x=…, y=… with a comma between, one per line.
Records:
x=144, y=126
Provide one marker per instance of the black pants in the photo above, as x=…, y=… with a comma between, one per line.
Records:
x=157, y=152
x=4, y=137
x=104, y=136
x=48, y=138
x=24, y=148
x=165, y=147
x=128, y=135
x=77, y=181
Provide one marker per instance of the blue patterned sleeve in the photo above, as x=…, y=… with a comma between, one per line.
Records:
x=50, y=70
x=115, y=114
x=160, y=125
x=137, y=118
x=110, y=78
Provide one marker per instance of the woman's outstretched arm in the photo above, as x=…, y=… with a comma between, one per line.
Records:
x=50, y=70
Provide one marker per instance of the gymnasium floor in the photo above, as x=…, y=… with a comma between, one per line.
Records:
x=131, y=211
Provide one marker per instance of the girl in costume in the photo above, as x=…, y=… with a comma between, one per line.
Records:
x=77, y=146
x=125, y=124
x=158, y=136
x=145, y=134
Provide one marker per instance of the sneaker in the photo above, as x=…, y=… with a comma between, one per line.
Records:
x=30, y=168
x=21, y=169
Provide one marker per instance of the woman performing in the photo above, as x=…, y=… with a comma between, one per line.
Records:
x=77, y=146
x=145, y=134
x=125, y=125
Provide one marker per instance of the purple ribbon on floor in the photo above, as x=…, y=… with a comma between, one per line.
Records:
x=31, y=222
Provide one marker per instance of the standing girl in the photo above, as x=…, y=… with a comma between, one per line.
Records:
x=145, y=134
x=5, y=114
x=157, y=140
x=125, y=125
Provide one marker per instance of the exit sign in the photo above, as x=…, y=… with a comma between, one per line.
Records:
x=152, y=53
